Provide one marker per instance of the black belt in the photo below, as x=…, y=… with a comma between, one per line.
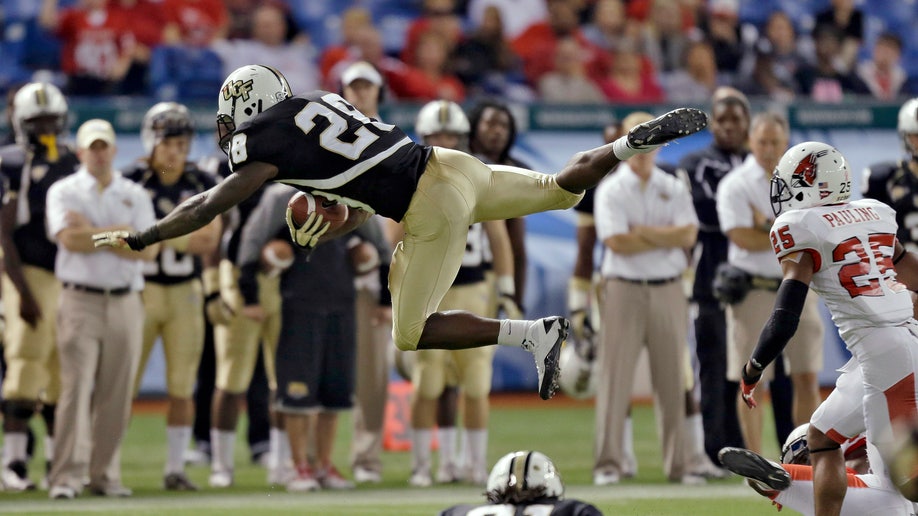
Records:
x=662, y=281
x=95, y=290
x=765, y=283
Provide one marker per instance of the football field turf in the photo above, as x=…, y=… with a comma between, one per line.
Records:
x=559, y=428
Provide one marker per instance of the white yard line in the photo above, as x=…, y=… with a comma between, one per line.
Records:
x=364, y=497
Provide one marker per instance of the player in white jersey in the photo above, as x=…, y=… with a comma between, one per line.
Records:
x=867, y=492
x=847, y=252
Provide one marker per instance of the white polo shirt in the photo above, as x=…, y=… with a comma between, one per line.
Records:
x=622, y=203
x=743, y=188
x=123, y=202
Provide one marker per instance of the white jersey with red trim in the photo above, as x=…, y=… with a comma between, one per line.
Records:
x=852, y=247
x=867, y=495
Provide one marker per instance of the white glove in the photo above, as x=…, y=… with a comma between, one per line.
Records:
x=578, y=304
x=506, y=291
x=307, y=235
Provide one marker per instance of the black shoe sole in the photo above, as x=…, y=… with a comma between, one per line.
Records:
x=552, y=369
x=752, y=465
x=675, y=124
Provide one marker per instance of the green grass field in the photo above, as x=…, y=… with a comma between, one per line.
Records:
x=564, y=431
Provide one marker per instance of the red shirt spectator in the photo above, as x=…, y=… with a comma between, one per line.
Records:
x=439, y=16
x=536, y=46
x=195, y=22
x=354, y=21
x=97, y=44
x=631, y=80
x=146, y=20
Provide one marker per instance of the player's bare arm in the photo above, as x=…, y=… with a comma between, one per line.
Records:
x=197, y=211
x=798, y=268
x=201, y=242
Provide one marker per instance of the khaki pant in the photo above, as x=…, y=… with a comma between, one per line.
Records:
x=371, y=388
x=455, y=191
x=472, y=366
x=237, y=344
x=175, y=313
x=99, y=341
x=635, y=317
x=32, y=370
x=746, y=319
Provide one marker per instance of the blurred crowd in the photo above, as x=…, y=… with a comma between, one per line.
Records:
x=565, y=51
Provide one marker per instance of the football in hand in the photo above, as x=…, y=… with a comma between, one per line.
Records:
x=303, y=204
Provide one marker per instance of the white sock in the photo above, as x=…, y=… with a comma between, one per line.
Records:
x=279, y=451
x=15, y=445
x=462, y=458
x=628, y=441
x=622, y=150
x=177, y=439
x=447, y=437
x=222, y=444
x=49, y=448
x=478, y=449
x=512, y=332
x=694, y=439
x=420, y=449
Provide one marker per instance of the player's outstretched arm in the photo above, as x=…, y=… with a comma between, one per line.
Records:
x=195, y=212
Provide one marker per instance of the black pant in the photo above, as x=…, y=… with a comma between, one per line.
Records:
x=782, y=401
x=718, y=395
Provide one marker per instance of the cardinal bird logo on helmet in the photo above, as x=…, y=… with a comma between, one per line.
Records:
x=805, y=173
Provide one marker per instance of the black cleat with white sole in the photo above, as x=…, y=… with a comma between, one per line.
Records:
x=666, y=128
x=751, y=465
x=544, y=341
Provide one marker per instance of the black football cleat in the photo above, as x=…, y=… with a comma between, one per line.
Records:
x=677, y=123
x=753, y=466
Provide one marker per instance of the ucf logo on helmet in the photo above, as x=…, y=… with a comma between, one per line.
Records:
x=237, y=89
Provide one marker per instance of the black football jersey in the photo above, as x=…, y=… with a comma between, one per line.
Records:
x=170, y=266
x=546, y=508
x=322, y=144
x=705, y=169
x=893, y=183
x=29, y=176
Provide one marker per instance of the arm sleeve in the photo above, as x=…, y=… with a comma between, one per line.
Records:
x=372, y=232
x=782, y=324
x=265, y=221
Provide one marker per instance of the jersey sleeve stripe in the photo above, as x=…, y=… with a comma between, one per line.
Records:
x=351, y=173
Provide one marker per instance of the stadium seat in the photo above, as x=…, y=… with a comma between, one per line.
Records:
x=182, y=73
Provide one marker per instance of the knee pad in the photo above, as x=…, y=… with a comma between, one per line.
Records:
x=19, y=409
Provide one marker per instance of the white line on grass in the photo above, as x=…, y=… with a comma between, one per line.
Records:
x=363, y=497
